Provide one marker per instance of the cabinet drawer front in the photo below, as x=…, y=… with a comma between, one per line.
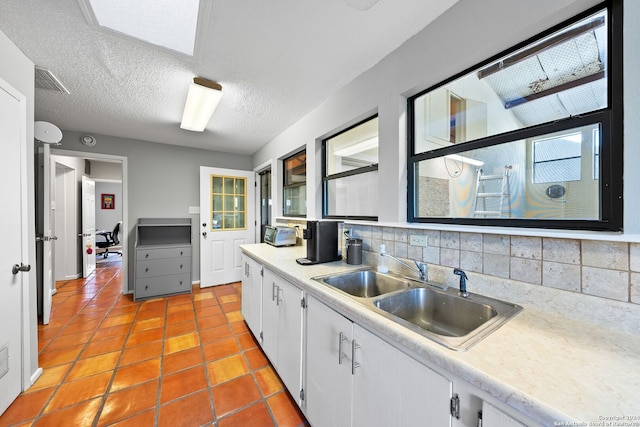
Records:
x=165, y=285
x=163, y=253
x=162, y=267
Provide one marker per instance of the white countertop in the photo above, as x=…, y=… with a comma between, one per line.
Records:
x=541, y=363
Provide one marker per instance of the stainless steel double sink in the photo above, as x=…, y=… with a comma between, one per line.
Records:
x=441, y=315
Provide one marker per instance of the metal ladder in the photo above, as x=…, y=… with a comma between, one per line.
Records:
x=492, y=188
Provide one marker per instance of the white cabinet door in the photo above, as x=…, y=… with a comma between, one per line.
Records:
x=282, y=329
x=328, y=368
x=270, y=315
x=252, y=295
x=392, y=389
x=493, y=417
x=289, y=359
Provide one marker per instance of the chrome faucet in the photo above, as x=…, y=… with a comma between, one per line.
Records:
x=420, y=268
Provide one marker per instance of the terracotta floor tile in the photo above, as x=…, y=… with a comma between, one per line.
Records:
x=181, y=342
x=203, y=296
x=219, y=349
x=181, y=316
x=77, y=415
x=194, y=410
x=226, y=299
x=131, y=375
x=141, y=352
x=239, y=327
x=209, y=311
x=178, y=361
x=79, y=391
x=95, y=348
x=58, y=357
x=125, y=403
x=175, y=329
x=256, y=358
x=145, y=337
x=183, y=383
x=177, y=308
x=216, y=333
x=126, y=309
x=26, y=407
x=72, y=340
x=256, y=415
x=224, y=290
x=93, y=365
x=47, y=332
x=234, y=316
x=118, y=320
x=147, y=324
x=226, y=369
x=247, y=341
x=234, y=395
x=268, y=381
x=143, y=419
x=285, y=411
x=151, y=314
x=105, y=332
x=231, y=307
x=50, y=377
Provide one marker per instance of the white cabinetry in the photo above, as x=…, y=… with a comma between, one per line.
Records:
x=282, y=329
x=252, y=295
x=354, y=378
x=493, y=417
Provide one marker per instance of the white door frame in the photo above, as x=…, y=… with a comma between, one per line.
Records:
x=125, y=203
x=266, y=165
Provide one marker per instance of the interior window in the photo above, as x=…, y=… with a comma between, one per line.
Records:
x=531, y=135
x=350, y=172
x=295, y=185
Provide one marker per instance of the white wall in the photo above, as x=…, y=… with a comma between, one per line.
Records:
x=468, y=33
x=19, y=72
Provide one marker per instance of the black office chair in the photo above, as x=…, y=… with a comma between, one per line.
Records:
x=111, y=239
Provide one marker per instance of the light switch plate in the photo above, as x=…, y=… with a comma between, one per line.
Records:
x=417, y=240
x=194, y=209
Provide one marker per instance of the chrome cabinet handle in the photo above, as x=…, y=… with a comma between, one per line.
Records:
x=354, y=364
x=341, y=355
x=273, y=291
x=278, y=299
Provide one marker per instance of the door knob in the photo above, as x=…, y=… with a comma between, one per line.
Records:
x=20, y=267
x=204, y=233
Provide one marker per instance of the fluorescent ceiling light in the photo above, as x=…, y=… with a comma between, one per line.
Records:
x=464, y=159
x=359, y=147
x=169, y=23
x=202, y=100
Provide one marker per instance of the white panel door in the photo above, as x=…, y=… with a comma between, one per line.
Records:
x=88, y=226
x=13, y=249
x=227, y=220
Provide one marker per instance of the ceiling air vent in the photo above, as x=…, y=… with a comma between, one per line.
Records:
x=46, y=80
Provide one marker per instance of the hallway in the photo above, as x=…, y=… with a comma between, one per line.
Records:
x=185, y=360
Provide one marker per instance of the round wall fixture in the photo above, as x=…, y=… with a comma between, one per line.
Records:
x=47, y=132
x=88, y=140
x=555, y=191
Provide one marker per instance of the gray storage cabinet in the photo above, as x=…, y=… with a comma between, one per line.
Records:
x=162, y=257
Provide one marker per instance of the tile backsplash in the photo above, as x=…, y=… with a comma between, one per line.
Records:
x=599, y=268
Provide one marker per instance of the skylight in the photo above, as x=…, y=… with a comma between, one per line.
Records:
x=167, y=23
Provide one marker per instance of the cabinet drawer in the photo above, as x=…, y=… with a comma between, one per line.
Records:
x=163, y=253
x=165, y=285
x=162, y=267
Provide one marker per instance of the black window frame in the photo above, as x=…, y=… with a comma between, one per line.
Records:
x=357, y=171
x=611, y=142
x=297, y=184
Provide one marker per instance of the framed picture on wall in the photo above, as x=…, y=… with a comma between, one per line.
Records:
x=108, y=201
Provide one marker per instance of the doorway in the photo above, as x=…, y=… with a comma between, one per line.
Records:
x=110, y=175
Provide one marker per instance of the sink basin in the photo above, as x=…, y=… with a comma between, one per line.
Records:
x=365, y=284
x=441, y=315
x=437, y=312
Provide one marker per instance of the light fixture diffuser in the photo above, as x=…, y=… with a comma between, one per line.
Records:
x=202, y=100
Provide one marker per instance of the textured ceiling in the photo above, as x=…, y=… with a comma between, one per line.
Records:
x=276, y=61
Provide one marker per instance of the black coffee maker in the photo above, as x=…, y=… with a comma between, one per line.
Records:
x=322, y=242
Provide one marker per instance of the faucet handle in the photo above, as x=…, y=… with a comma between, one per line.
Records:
x=463, y=281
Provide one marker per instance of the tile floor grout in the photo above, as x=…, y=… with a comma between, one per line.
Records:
x=84, y=301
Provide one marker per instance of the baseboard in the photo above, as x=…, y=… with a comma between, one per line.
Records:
x=35, y=377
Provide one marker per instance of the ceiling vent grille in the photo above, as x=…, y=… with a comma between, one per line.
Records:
x=46, y=80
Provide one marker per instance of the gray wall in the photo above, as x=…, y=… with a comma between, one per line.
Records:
x=163, y=180
x=106, y=219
